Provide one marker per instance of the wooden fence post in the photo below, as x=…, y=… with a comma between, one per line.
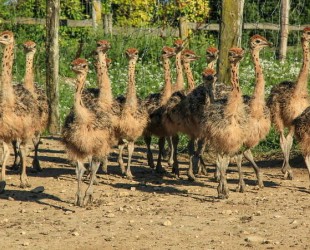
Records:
x=285, y=9
x=52, y=63
x=183, y=29
x=96, y=13
x=230, y=34
x=107, y=23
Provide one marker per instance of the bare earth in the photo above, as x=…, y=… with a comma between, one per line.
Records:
x=154, y=212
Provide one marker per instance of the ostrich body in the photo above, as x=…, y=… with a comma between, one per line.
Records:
x=155, y=104
x=19, y=115
x=134, y=117
x=287, y=101
x=258, y=113
x=224, y=122
x=87, y=133
x=40, y=95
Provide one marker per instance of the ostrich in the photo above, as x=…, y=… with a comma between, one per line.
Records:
x=223, y=123
x=155, y=104
x=258, y=113
x=287, y=101
x=40, y=95
x=134, y=117
x=18, y=110
x=302, y=134
x=87, y=133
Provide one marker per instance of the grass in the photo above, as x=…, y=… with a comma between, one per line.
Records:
x=149, y=73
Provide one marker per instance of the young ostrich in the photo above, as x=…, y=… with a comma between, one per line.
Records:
x=134, y=116
x=87, y=133
x=155, y=104
x=287, y=101
x=302, y=134
x=18, y=110
x=224, y=123
x=258, y=113
x=40, y=95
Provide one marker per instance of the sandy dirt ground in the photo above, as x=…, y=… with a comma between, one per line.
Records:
x=154, y=212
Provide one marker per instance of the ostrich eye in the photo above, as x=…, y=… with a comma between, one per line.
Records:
x=84, y=66
x=257, y=41
x=308, y=33
x=6, y=36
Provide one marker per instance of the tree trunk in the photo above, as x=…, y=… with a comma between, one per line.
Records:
x=183, y=30
x=107, y=24
x=285, y=9
x=52, y=63
x=96, y=13
x=230, y=34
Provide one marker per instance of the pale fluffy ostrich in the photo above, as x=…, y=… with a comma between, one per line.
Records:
x=134, y=117
x=155, y=104
x=40, y=95
x=258, y=113
x=87, y=133
x=18, y=110
x=287, y=101
x=224, y=122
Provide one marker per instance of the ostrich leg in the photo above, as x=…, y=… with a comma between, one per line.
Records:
x=131, y=148
x=191, y=151
x=307, y=160
x=174, y=150
x=120, y=161
x=222, y=188
x=16, y=163
x=241, y=185
x=23, y=157
x=248, y=155
x=150, y=159
x=80, y=169
x=5, y=156
x=161, y=147
x=35, y=162
x=286, y=144
x=88, y=198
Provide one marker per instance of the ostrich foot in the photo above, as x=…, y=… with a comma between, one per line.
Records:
x=104, y=167
x=191, y=176
x=78, y=200
x=241, y=187
x=95, y=181
x=150, y=161
x=223, y=192
x=15, y=166
x=202, y=170
x=216, y=175
x=36, y=165
x=88, y=199
x=288, y=175
x=25, y=184
x=2, y=186
x=260, y=183
x=123, y=170
x=129, y=175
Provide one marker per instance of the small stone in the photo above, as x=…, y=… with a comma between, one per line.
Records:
x=11, y=198
x=123, y=194
x=167, y=223
x=157, y=188
x=110, y=215
x=254, y=239
x=227, y=212
x=23, y=211
x=121, y=209
x=75, y=233
x=22, y=232
x=133, y=188
x=258, y=213
x=37, y=190
x=26, y=243
x=5, y=220
x=294, y=222
x=277, y=216
x=68, y=212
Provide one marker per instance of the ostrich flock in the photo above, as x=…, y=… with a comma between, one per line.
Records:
x=212, y=114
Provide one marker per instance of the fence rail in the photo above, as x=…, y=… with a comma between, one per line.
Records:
x=199, y=26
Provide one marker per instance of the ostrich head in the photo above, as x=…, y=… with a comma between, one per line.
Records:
x=188, y=56
x=167, y=52
x=306, y=34
x=132, y=54
x=259, y=42
x=103, y=45
x=209, y=75
x=6, y=37
x=79, y=66
x=29, y=47
x=235, y=54
x=178, y=45
x=212, y=54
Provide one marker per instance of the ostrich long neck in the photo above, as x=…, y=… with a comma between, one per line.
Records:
x=302, y=80
x=7, y=94
x=79, y=108
x=167, y=91
x=105, y=96
x=29, y=75
x=258, y=100
x=189, y=76
x=179, y=84
x=235, y=96
x=211, y=64
x=131, y=96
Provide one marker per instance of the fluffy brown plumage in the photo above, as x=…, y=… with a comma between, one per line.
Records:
x=134, y=117
x=87, y=133
x=287, y=101
x=18, y=109
x=224, y=122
